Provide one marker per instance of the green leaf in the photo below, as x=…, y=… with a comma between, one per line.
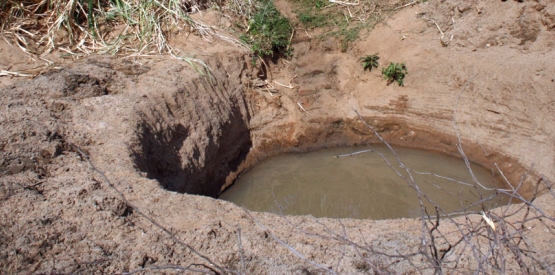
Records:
x=395, y=72
x=370, y=61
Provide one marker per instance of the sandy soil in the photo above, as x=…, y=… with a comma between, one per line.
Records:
x=156, y=128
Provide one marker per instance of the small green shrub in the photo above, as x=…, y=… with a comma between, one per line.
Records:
x=395, y=72
x=370, y=62
x=268, y=31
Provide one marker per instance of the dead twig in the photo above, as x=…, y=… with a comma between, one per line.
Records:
x=212, y=266
x=290, y=86
x=172, y=267
x=302, y=108
x=438, y=28
x=344, y=3
x=242, y=252
x=354, y=153
x=406, y=5
x=8, y=73
x=290, y=248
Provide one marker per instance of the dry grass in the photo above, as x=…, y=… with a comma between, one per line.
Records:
x=81, y=27
x=346, y=20
x=119, y=27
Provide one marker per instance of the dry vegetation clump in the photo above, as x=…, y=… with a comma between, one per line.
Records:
x=85, y=26
x=345, y=20
x=136, y=27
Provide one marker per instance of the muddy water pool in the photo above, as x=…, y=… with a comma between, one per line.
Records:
x=363, y=185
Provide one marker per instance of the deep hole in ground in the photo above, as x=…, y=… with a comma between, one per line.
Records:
x=210, y=165
x=191, y=141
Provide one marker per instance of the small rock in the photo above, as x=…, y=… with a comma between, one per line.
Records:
x=462, y=8
x=15, y=168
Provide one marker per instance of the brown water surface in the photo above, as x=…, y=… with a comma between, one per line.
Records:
x=363, y=185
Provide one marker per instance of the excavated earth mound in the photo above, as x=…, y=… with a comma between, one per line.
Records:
x=170, y=137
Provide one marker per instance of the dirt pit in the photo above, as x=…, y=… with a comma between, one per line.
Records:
x=156, y=126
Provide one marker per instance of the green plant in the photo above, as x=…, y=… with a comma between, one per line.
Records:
x=268, y=31
x=321, y=4
x=370, y=61
x=395, y=72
